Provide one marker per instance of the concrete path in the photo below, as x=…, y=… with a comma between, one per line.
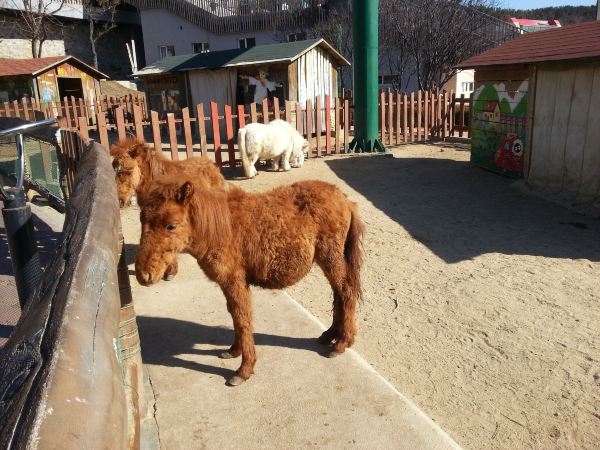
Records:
x=297, y=398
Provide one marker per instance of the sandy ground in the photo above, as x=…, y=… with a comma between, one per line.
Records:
x=481, y=303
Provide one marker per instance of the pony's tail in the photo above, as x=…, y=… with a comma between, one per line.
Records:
x=353, y=251
x=242, y=150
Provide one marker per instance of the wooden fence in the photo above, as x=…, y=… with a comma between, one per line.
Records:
x=71, y=107
x=424, y=115
x=327, y=123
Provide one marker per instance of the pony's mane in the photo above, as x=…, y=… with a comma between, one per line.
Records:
x=210, y=215
x=154, y=162
x=208, y=207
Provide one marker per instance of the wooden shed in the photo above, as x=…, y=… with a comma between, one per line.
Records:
x=296, y=71
x=48, y=79
x=536, y=112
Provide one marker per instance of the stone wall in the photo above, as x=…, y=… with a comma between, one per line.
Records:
x=72, y=38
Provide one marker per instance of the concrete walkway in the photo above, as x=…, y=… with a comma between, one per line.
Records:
x=297, y=398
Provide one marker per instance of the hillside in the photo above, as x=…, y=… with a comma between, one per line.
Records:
x=567, y=15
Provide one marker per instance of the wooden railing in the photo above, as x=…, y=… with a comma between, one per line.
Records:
x=71, y=370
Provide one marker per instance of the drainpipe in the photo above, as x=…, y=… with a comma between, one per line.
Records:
x=365, y=66
x=18, y=222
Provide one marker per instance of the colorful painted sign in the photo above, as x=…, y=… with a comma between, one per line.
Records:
x=499, y=127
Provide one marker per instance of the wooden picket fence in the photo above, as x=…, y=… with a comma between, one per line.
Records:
x=327, y=123
x=71, y=108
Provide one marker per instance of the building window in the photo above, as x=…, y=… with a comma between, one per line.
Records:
x=200, y=47
x=164, y=51
x=246, y=42
x=467, y=86
x=293, y=37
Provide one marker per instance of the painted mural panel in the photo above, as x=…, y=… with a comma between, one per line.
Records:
x=499, y=127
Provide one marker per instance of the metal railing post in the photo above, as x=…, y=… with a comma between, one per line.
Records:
x=18, y=222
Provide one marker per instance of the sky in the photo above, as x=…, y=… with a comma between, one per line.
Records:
x=533, y=4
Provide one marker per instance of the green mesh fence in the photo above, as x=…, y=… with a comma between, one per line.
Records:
x=41, y=164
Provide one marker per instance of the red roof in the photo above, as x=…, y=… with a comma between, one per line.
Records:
x=34, y=66
x=555, y=44
x=534, y=22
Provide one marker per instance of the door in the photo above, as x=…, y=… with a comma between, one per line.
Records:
x=68, y=87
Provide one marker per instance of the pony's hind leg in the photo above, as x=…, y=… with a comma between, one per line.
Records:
x=239, y=306
x=342, y=332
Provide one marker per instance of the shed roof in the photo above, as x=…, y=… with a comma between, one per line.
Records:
x=260, y=54
x=35, y=66
x=557, y=44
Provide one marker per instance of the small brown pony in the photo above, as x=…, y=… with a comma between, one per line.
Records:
x=269, y=239
x=136, y=165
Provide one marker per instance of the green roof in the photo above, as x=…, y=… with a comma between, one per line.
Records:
x=260, y=54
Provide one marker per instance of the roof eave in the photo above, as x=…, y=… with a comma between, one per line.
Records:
x=67, y=58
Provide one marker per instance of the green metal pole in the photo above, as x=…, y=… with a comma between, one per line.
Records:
x=365, y=67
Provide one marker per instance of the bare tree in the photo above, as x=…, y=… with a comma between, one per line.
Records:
x=433, y=36
x=37, y=18
x=100, y=15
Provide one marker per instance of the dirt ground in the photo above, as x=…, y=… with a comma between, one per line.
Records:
x=481, y=303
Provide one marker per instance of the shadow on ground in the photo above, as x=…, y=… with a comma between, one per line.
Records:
x=459, y=211
x=165, y=339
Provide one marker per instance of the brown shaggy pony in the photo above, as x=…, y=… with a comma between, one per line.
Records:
x=269, y=239
x=136, y=165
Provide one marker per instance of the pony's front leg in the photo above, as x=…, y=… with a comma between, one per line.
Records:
x=239, y=305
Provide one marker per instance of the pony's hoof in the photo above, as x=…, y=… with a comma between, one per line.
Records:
x=235, y=380
x=168, y=277
x=227, y=355
x=334, y=354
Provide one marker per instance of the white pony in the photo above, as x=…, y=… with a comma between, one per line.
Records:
x=278, y=141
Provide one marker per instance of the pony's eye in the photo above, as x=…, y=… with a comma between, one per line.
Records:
x=171, y=227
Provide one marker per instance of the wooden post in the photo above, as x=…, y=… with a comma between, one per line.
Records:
x=120, y=123
x=299, y=119
x=309, y=126
x=276, y=108
x=338, y=128
x=419, y=114
x=201, y=128
x=398, y=118
x=318, y=122
x=156, y=131
x=83, y=128
x=288, y=111
x=265, y=111
x=102, y=131
x=214, y=116
x=187, y=131
x=382, y=131
x=327, y=125
x=405, y=117
x=451, y=124
x=390, y=116
x=6, y=109
x=445, y=115
x=253, y=113
x=425, y=115
x=25, y=112
x=137, y=120
x=412, y=117
x=172, y=136
x=439, y=114
x=229, y=130
x=462, y=115
x=68, y=114
x=346, y=123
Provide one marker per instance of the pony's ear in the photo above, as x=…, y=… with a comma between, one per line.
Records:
x=137, y=149
x=184, y=193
